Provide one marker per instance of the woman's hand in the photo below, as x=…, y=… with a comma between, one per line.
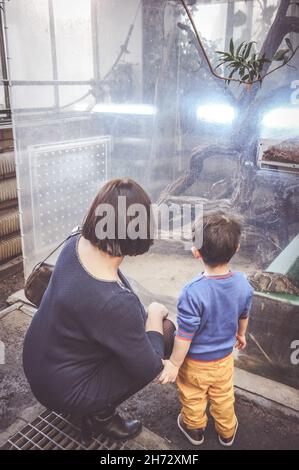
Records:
x=156, y=313
x=169, y=373
x=157, y=309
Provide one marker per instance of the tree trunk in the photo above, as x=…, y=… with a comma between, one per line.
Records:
x=281, y=26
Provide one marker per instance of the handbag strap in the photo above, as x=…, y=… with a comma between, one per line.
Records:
x=75, y=231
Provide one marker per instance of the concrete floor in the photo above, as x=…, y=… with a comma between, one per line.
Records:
x=261, y=425
x=15, y=394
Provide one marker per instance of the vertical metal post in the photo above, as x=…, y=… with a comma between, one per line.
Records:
x=249, y=14
x=53, y=51
x=94, y=12
x=3, y=54
x=229, y=32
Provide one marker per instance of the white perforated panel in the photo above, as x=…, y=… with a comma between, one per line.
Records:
x=64, y=179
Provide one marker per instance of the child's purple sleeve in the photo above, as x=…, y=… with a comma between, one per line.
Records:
x=188, y=316
x=248, y=303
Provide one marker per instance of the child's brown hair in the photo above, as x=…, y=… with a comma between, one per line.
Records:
x=220, y=237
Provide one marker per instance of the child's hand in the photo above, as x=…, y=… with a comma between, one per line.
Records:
x=241, y=342
x=169, y=373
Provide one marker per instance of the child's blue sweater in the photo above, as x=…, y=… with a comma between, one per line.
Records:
x=209, y=309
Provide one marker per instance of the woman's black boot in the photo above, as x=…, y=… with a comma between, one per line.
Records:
x=89, y=425
x=110, y=424
x=86, y=431
x=117, y=428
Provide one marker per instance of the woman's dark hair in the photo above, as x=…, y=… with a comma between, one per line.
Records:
x=220, y=234
x=110, y=209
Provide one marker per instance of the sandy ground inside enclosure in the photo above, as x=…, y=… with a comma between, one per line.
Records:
x=166, y=274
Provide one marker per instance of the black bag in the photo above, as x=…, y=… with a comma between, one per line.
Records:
x=39, y=279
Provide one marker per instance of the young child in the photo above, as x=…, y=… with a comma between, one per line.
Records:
x=212, y=318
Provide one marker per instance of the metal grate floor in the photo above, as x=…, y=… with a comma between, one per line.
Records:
x=51, y=431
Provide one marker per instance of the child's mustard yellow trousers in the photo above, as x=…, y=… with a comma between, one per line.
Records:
x=202, y=381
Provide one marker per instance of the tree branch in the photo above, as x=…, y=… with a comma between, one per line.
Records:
x=276, y=33
x=283, y=64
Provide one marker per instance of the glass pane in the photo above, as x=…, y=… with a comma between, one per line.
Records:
x=29, y=46
x=73, y=37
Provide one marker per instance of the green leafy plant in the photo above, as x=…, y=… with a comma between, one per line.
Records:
x=242, y=61
x=245, y=64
